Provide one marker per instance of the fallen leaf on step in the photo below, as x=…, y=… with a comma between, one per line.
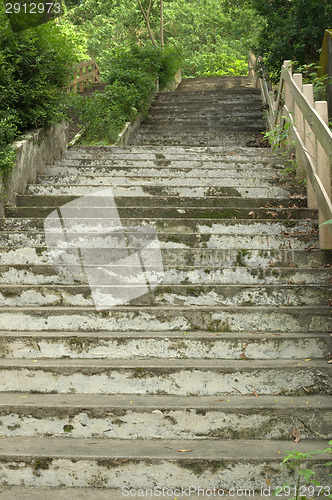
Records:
x=254, y=393
x=184, y=451
x=268, y=482
x=219, y=400
x=296, y=434
x=237, y=390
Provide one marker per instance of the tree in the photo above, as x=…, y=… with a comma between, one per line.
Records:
x=146, y=15
x=294, y=30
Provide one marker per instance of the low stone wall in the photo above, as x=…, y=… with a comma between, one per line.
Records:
x=38, y=148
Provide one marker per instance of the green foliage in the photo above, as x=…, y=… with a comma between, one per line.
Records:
x=35, y=67
x=279, y=135
x=326, y=222
x=293, y=30
x=310, y=75
x=213, y=36
x=130, y=75
x=304, y=476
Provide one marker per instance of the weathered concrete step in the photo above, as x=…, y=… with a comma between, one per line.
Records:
x=226, y=139
x=164, y=417
x=169, y=189
x=277, y=214
x=114, y=240
x=166, y=345
x=210, y=201
x=95, y=226
x=54, y=493
x=193, y=121
x=201, y=100
x=171, y=318
x=174, y=153
x=208, y=116
x=67, y=295
x=199, y=179
x=177, y=150
x=209, y=101
x=181, y=163
x=161, y=168
x=294, y=265
x=218, y=82
x=175, y=274
x=172, y=377
x=138, y=464
x=179, y=136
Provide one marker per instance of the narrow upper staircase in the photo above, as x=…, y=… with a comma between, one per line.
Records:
x=200, y=381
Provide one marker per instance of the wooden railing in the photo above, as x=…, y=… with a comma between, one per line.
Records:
x=325, y=66
x=307, y=128
x=86, y=73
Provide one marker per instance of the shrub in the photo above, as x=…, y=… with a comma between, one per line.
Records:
x=35, y=67
x=130, y=76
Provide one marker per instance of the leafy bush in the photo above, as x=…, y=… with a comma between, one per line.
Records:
x=213, y=36
x=130, y=76
x=293, y=30
x=35, y=67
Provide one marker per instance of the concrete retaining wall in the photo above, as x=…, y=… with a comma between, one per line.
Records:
x=38, y=148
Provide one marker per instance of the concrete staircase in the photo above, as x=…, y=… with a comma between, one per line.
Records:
x=199, y=382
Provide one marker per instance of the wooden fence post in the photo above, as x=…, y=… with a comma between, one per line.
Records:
x=299, y=127
x=310, y=144
x=81, y=82
x=289, y=101
x=323, y=170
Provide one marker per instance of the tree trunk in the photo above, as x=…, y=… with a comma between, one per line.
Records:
x=146, y=17
x=161, y=25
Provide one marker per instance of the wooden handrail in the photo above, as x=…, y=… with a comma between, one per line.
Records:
x=308, y=128
x=325, y=66
x=84, y=76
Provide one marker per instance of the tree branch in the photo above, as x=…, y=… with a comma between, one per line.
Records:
x=146, y=17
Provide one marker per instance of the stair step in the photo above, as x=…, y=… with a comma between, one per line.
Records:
x=54, y=493
x=173, y=377
x=167, y=345
x=155, y=180
x=159, y=201
x=203, y=270
x=164, y=417
x=141, y=463
x=175, y=153
x=202, y=139
x=266, y=240
x=198, y=295
x=103, y=226
x=212, y=167
x=152, y=213
x=198, y=382
x=171, y=318
x=169, y=189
